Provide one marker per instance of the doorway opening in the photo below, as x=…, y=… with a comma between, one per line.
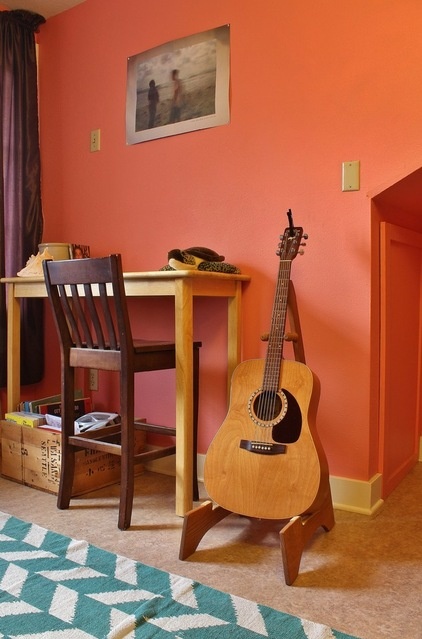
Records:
x=396, y=327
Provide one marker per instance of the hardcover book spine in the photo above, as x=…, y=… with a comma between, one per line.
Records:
x=82, y=406
x=33, y=405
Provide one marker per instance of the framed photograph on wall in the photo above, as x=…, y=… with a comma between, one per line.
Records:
x=179, y=87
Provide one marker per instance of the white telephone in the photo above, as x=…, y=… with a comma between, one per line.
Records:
x=92, y=421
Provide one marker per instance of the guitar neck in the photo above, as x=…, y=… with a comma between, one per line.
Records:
x=278, y=328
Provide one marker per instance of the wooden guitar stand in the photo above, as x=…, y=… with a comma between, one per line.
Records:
x=297, y=532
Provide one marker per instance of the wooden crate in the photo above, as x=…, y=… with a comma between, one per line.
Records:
x=32, y=456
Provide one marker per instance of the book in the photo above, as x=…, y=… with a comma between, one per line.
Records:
x=25, y=419
x=32, y=406
x=82, y=406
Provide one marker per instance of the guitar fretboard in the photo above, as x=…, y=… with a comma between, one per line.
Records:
x=278, y=328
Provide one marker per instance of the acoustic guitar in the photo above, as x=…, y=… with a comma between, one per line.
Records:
x=266, y=460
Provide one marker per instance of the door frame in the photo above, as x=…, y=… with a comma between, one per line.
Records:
x=389, y=234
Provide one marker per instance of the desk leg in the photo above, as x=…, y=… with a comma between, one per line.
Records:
x=184, y=395
x=234, y=334
x=13, y=349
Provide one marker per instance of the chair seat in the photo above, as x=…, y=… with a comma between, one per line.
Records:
x=148, y=345
x=151, y=356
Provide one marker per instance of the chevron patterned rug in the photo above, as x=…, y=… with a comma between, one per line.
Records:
x=55, y=587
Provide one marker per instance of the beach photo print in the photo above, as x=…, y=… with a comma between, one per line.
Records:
x=178, y=87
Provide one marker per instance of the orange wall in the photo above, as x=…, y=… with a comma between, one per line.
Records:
x=312, y=85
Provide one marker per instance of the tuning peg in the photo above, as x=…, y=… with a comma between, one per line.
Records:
x=305, y=236
x=301, y=251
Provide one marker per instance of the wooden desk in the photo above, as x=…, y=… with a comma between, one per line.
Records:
x=183, y=286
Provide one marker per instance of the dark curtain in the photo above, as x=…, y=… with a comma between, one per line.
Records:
x=21, y=219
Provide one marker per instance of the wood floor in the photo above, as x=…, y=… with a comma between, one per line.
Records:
x=364, y=577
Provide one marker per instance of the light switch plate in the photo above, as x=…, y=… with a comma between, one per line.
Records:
x=350, y=176
x=95, y=143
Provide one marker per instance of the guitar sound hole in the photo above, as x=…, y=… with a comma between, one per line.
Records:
x=268, y=405
x=267, y=408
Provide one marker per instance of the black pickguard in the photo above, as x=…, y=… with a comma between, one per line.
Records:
x=288, y=430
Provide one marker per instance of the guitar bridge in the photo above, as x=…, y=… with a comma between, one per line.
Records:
x=262, y=448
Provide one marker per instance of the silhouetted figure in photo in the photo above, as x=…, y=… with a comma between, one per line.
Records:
x=153, y=100
x=176, y=103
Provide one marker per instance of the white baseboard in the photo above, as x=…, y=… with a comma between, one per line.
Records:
x=165, y=465
x=353, y=495
x=357, y=496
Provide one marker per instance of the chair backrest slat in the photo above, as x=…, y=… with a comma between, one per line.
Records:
x=94, y=332
x=62, y=300
x=108, y=317
x=80, y=319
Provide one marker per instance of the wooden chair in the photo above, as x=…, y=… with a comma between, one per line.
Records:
x=96, y=333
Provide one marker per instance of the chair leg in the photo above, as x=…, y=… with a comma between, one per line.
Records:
x=195, y=422
x=127, y=470
x=67, y=470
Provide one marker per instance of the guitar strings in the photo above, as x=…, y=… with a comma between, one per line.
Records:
x=269, y=399
x=278, y=338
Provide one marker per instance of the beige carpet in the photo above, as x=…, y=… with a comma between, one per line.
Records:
x=364, y=577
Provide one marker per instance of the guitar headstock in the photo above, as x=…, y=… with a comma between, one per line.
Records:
x=290, y=243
